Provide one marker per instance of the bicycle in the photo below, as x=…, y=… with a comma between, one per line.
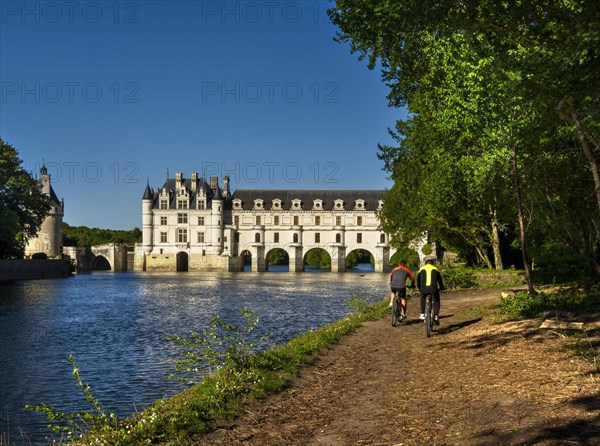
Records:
x=398, y=309
x=428, y=314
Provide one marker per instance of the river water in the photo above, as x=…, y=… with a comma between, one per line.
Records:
x=115, y=324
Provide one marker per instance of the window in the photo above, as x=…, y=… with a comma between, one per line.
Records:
x=338, y=221
x=201, y=204
x=182, y=218
x=276, y=237
x=359, y=238
x=257, y=220
x=317, y=237
x=382, y=238
x=163, y=237
x=295, y=238
x=163, y=221
x=296, y=220
x=182, y=203
x=201, y=237
x=276, y=220
x=200, y=221
x=257, y=237
x=236, y=220
x=181, y=235
x=338, y=238
x=358, y=221
x=317, y=220
x=164, y=203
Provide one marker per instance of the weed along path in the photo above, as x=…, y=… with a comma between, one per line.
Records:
x=474, y=382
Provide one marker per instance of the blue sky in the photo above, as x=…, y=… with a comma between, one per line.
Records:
x=111, y=94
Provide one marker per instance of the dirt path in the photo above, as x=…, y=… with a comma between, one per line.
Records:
x=472, y=383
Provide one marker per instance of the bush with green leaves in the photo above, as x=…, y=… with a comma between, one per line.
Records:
x=522, y=304
x=457, y=278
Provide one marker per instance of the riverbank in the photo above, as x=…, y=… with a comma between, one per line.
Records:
x=475, y=382
x=33, y=269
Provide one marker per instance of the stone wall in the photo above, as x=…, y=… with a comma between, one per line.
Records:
x=28, y=269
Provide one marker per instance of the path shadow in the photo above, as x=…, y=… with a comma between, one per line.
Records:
x=453, y=327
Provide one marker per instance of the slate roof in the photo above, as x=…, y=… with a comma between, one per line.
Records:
x=349, y=196
x=171, y=186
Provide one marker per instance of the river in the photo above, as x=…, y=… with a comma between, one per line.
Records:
x=115, y=324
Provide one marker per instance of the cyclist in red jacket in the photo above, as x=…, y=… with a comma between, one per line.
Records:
x=398, y=278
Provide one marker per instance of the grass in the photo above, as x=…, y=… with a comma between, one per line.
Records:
x=181, y=419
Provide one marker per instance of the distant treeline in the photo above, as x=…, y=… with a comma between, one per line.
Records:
x=84, y=236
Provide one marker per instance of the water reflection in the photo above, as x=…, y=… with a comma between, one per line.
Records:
x=114, y=325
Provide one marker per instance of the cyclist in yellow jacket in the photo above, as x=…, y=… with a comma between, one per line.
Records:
x=429, y=281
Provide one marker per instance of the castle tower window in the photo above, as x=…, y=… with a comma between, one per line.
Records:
x=257, y=220
x=201, y=237
x=359, y=204
x=200, y=221
x=258, y=203
x=257, y=237
x=163, y=237
x=338, y=205
x=163, y=221
x=317, y=220
x=338, y=221
x=359, y=238
x=359, y=221
x=182, y=218
x=164, y=203
x=237, y=203
x=182, y=203
x=317, y=237
x=276, y=204
x=318, y=204
x=338, y=238
x=296, y=220
x=276, y=220
x=276, y=237
x=382, y=238
x=296, y=204
x=182, y=235
x=201, y=204
x=380, y=205
x=295, y=238
x=236, y=220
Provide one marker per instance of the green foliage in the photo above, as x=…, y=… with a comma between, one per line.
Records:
x=359, y=302
x=410, y=255
x=358, y=256
x=84, y=236
x=39, y=256
x=319, y=258
x=221, y=345
x=458, y=278
x=277, y=256
x=23, y=206
x=533, y=305
x=74, y=425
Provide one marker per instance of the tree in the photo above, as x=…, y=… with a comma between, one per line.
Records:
x=485, y=83
x=23, y=206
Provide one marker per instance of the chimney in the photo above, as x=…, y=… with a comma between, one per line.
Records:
x=214, y=183
x=178, y=179
x=226, y=186
x=194, y=181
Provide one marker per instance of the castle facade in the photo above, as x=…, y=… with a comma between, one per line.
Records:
x=190, y=224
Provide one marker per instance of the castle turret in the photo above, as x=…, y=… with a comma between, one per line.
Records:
x=216, y=217
x=147, y=200
x=49, y=238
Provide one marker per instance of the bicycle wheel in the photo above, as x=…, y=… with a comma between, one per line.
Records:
x=395, y=312
x=428, y=317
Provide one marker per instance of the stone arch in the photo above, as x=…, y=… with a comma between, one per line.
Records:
x=182, y=259
x=277, y=257
x=317, y=258
x=100, y=263
x=247, y=259
x=360, y=260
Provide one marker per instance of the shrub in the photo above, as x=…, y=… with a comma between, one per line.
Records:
x=457, y=278
x=39, y=256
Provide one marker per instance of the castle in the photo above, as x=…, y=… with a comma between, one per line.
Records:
x=190, y=224
x=49, y=239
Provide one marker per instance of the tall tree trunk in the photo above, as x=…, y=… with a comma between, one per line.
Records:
x=517, y=192
x=585, y=139
x=496, y=239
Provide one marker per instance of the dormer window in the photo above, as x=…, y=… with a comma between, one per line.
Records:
x=276, y=204
x=318, y=205
x=359, y=204
x=237, y=204
x=338, y=205
x=259, y=203
x=296, y=204
x=380, y=205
